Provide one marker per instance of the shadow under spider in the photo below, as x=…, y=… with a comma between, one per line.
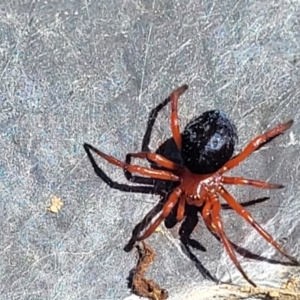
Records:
x=169, y=150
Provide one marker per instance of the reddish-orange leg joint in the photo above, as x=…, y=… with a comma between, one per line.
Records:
x=174, y=115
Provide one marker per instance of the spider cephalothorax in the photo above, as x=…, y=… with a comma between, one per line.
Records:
x=206, y=146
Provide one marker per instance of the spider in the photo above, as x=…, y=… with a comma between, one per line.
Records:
x=206, y=146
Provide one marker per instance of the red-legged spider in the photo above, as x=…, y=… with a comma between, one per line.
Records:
x=206, y=146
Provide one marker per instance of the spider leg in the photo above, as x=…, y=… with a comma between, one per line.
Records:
x=174, y=115
x=247, y=217
x=152, y=157
x=168, y=206
x=114, y=184
x=150, y=123
x=180, y=209
x=218, y=228
x=156, y=158
x=206, y=215
x=158, y=174
x=255, y=183
x=146, y=139
x=255, y=144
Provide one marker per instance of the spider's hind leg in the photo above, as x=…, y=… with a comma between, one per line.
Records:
x=248, y=218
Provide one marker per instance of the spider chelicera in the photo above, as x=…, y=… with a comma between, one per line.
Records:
x=206, y=146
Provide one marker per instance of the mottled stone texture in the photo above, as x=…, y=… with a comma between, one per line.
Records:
x=91, y=71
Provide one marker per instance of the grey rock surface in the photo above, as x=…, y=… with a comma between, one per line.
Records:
x=91, y=71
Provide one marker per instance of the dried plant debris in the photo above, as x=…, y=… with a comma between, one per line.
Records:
x=142, y=286
x=56, y=205
x=288, y=291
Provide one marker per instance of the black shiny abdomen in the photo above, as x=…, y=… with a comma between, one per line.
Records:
x=208, y=142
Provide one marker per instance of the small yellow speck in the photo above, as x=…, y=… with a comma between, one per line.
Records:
x=56, y=205
x=160, y=230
